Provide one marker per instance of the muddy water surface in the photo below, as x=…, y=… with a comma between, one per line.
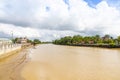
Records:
x=54, y=62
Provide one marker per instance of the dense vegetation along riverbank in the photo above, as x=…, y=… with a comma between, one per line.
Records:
x=90, y=41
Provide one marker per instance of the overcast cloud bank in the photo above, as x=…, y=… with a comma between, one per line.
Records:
x=48, y=20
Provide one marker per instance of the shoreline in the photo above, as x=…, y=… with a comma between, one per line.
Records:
x=93, y=45
x=11, y=63
x=13, y=51
x=11, y=66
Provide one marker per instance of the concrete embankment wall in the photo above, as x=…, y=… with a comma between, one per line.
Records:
x=6, y=49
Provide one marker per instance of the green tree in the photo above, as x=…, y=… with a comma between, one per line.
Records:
x=15, y=40
x=86, y=39
x=77, y=39
x=97, y=39
x=29, y=41
x=118, y=39
x=107, y=39
x=36, y=41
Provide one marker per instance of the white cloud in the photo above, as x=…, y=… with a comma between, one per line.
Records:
x=18, y=31
x=35, y=20
x=44, y=35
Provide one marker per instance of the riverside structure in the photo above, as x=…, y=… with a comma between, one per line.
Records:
x=7, y=46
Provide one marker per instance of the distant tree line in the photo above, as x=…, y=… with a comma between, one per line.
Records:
x=88, y=40
x=18, y=40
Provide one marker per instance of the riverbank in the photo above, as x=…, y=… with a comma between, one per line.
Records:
x=90, y=41
x=93, y=45
x=12, y=61
x=9, y=52
x=11, y=65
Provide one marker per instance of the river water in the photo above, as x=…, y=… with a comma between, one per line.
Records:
x=55, y=62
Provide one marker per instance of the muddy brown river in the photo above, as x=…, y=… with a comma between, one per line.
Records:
x=54, y=62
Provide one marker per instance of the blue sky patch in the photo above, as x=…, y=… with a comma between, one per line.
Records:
x=47, y=8
x=92, y=3
x=115, y=3
x=67, y=2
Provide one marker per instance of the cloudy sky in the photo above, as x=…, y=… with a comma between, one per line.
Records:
x=52, y=19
